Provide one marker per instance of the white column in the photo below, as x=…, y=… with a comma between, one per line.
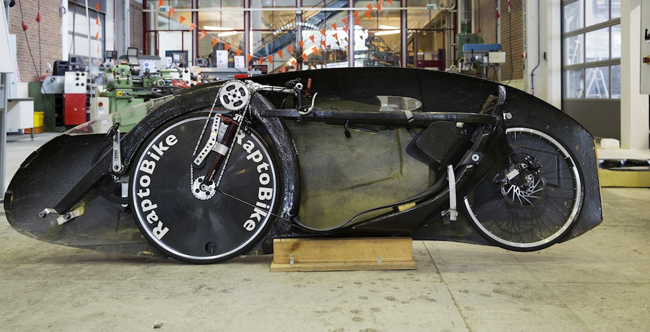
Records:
x=634, y=105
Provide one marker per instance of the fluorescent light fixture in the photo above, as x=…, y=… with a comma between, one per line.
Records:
x=211, y=28
x=230, y=33
x=386, y=32
x=387, y=27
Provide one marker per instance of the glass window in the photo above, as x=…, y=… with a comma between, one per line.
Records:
x=572, y=16
x=616, y=82
x=616, y=9
x=597, y=82
x=596, y=11
x=573, y=83
x=573, y=50
x=616, y=41
x=597, y=45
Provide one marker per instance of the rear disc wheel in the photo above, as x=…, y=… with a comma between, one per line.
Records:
x=220, y=221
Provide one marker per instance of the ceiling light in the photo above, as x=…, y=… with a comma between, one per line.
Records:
x=211, y=28
x=386, y=32
x=230, y=33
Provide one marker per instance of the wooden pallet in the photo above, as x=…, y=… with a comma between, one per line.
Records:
x=343, y=254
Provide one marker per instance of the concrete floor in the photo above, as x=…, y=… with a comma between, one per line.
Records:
x=597, y=282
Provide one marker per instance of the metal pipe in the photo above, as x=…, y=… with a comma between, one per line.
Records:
x=532, y=73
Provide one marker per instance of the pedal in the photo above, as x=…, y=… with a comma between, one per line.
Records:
x=62, y=219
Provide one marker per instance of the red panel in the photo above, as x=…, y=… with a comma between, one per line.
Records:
x=75, y=109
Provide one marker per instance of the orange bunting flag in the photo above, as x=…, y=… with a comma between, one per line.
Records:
x=356, y=21
x=97, y=6
x=269, y=59
x=214, y=41
x=390, y=2
x=336, y=36
x=304, y=56
x=160, y=3
x=368, y=14
x=250, y=57
x=301, y=44
x=345, y=21
x=323, y=43
x=324, y=32
x=369, y=7
x=261, y=61
x=293, y=63
x=238, y=52
x=345, y=29
x=96, y=21
x=356, y=14
x=280, y=53
x=203, y=34
x=181, y=19
x=315, y=50
x=311, y=38
x=226, y=47
x=97, y=48
x=381, y=2
x=379, y=7
x=171, y=11
x=290, y=48
x=192, y=26
x=97, y=36
x=334, y=26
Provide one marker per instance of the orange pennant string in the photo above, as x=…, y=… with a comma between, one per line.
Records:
x=97, y=36
x=345, y=29
x=192, y=26
x=171, y=11
x=181, y=19
x=301, y=44
x=345, y=20
x=97, y=20
x=280, y=53
x=311, y=38
x=293, y=63
x=356, y=21
x=324, y=32
x=238, y=52
x=269, y=59
x=203, y=34
x=369, y=7
x=290, y=48
x=160, y=3
x=390, y=2
x=379, y=7
x=368, y=14
x=355, y=14
x=261, y=61
x=97, y=6
x=381, y=2
x=323, y=43
x=226, y=47
x=336, y=36
x=304, y=56
x=214, y=41
x=334, y=26
x=250, y=57
x=315, y=50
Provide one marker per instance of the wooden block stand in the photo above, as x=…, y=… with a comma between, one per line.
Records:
x=343, y=254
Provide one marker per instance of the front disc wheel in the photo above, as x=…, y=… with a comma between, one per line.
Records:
x=533, y=203
x=199, y=221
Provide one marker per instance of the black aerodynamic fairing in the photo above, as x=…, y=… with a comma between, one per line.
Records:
x=345, y=169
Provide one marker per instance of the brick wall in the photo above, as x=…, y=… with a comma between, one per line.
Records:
x=50, y=41
x=486, y=21
x=137, y=33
